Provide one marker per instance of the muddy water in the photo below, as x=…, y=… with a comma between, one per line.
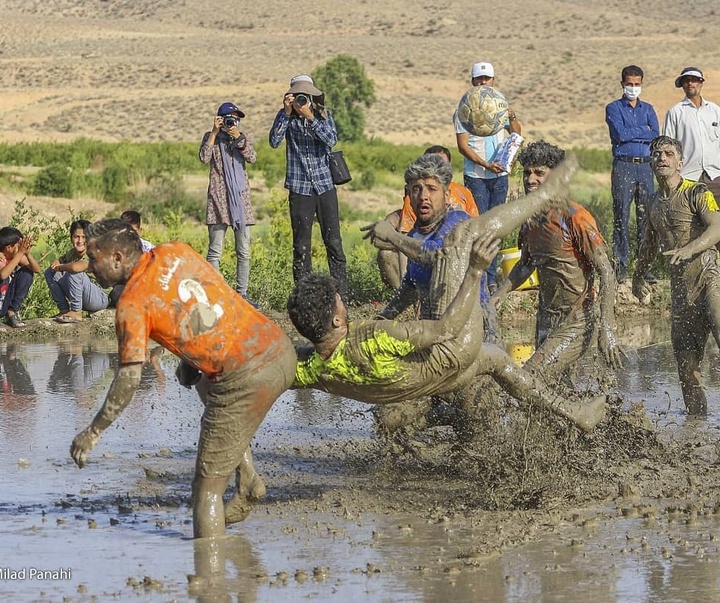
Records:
x=120, y=528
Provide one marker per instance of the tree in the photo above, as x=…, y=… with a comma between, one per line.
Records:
x=348, y=91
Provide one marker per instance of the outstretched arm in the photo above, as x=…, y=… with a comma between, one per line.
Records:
x=121, y=391
x=503, y=219
x=458, y=313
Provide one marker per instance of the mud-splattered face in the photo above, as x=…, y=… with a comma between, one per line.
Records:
x=77, y=239
x=534, y=176
x=665, y=161
x=106, y=266
x=429, y=200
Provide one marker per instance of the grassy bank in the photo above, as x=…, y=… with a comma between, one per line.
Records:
x=167, y=182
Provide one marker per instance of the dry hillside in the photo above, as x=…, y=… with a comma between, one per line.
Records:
x=141, y=70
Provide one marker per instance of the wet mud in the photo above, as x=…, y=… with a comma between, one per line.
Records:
x=528, y=509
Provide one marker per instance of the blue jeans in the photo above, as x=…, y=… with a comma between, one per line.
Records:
x=75, y=291
x=629, y=182
x=488, y=193
x=17, y=290
x=216, y=234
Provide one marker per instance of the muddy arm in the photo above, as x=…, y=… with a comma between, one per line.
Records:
x=503, y=219
x=608, y=342
x=121, y=391
x=455, y=318
x=384, y=236
x=649, y=248
x=709, y=238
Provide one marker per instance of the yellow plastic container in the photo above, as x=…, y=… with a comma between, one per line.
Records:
x=508, y=258
x=520, y=352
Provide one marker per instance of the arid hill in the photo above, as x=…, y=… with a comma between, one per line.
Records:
x=141, y=70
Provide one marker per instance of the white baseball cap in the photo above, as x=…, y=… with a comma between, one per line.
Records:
x=482, y=69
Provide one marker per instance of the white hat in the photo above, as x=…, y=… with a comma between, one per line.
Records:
x=482, y=69
x=692, y=71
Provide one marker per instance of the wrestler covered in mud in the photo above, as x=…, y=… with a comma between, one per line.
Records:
x=173, y=296
x=565, y=246
x=385, y=361
x=683, y=223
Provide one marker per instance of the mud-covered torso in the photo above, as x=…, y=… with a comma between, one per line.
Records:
x=560, y=244
x=376, y=363
x=677, y=219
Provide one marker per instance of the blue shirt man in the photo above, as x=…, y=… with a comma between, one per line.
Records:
x=633, y=124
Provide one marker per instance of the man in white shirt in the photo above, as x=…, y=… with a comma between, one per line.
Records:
x=695, y=123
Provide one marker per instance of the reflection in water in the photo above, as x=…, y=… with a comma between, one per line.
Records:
x=419, y=561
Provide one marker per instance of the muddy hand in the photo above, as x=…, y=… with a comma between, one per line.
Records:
x=678, y=255
x=380, y=234
x=484, y=250
x=610, y=348
x=641, y=290
x=83, y=443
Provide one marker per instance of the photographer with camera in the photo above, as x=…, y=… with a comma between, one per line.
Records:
x=310, y=132
x=227, y=150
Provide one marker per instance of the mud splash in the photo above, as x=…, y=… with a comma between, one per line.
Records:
x=625, y=513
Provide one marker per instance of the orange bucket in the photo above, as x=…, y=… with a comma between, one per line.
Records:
x=508, y=258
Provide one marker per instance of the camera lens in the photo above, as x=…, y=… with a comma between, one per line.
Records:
x=301, y=99
x=229, y=121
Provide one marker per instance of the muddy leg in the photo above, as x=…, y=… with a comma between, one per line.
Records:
x=249, y=485
x=525, y=388
x=208, y=511
x=690, y=382
x=249, y=488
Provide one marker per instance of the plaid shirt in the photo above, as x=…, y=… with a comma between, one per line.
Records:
x=308, y=145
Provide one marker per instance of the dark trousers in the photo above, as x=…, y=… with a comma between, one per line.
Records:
x=303, y=209
x=488, y=193
x=17, y=290
x=630, y=182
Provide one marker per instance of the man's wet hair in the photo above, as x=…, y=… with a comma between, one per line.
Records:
x=76, y=225
x=114, y=234
x=436, y=149
x=131, y=217
x=541, y=153
x=631, y=70
x=662, y=141
x=9, y=235
x=312, y=305
x=429, y=166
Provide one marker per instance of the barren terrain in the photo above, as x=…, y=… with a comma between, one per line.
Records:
x=157, y=70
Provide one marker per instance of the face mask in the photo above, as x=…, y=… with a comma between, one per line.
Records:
x=631, y=92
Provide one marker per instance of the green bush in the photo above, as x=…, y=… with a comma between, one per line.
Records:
x=114, y=181
x=55, y=180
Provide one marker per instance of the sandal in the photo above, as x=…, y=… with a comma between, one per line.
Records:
x=13, y=320
x=67, y=320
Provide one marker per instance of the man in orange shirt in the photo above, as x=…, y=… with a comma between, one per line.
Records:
x=173, y=296
x=393, y=264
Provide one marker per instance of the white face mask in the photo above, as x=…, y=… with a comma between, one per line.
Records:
x=632, y=92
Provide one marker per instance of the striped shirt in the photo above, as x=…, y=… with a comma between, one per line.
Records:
x=484, y=146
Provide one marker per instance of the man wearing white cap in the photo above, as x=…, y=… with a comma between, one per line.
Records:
x=487, y=181
x=310, y=132
x=695, y=123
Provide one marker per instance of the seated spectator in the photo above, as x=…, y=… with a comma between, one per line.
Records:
x=17, y=270
x=70, y=286
x=133, y=218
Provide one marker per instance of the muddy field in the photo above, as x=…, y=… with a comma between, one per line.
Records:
x=422, y=514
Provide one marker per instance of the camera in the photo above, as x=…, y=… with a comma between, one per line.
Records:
x=230, y=120
x=302, y=99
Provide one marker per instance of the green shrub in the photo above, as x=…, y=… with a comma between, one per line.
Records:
x=55, y=180
x=114, y=181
